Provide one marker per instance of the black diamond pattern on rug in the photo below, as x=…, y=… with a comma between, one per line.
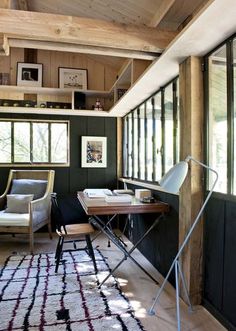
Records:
x=33, y=297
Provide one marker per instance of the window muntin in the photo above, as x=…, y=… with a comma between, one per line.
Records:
x=148, y=133
x=34, y=142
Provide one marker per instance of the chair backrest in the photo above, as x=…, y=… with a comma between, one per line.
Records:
x=57, y=214
x=47, y=175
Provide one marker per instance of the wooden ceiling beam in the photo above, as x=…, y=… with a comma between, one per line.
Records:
x=161, y=12
x=83, y=31
x=83, y=49
x=4, y=45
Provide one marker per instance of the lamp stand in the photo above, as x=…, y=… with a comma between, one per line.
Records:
x=175, y=264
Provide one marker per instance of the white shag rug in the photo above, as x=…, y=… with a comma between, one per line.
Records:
x=33, y=297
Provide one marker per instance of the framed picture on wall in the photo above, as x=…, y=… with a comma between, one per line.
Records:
x=29, y=74
x=93, y=152
x=73, y=78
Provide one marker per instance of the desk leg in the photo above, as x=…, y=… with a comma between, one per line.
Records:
x=127, y=254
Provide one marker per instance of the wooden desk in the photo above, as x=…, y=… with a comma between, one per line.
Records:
x=96, y=207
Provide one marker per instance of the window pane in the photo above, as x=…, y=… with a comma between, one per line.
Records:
x=135, y=135
x=130, y=168
x=142, y=142
x=5, y=142
x=59, y=138
x=21, y=142
x=157, y=138
x=168, y=152
x=125, y=151
x=234, y=73
x=178, y=123
x=40, y=142
x=218, y=118
x=149, y=139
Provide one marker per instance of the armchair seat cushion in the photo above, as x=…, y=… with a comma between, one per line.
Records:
x=13, y=219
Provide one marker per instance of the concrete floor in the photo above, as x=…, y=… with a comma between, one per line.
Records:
x=134, y=283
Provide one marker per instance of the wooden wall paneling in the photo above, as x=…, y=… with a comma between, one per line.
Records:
x=214, y=234
x=45, y=58
x=16, y=55
x=191, y=118
x=110, y=78
x=95, y=75
x=78, y=175
x=138, y=68
x=5, y=64
x=95, y=175
x=229, y=276
x=111, y=169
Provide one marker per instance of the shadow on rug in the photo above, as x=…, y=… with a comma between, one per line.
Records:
x=33, y=297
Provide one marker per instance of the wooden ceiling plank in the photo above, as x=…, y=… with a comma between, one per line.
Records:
x=83, y=31
x=74, y=48
x=161, y=12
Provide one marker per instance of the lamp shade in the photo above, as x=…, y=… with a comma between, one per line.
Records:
x=174, y=178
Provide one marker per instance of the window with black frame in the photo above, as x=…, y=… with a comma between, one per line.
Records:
x=151, y=135
x=220, y=77
x=34, y=142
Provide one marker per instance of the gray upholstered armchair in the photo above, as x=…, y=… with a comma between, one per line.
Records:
x=25, y=206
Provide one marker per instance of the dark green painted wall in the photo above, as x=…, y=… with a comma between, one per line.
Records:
x=68, y=180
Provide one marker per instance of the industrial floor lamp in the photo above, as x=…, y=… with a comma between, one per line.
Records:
x=171, y=183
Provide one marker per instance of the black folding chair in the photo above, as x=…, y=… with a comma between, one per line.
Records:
x=71, y=231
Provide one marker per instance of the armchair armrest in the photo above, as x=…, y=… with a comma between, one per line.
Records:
x=40, y=209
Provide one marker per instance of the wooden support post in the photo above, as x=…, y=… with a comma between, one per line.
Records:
x=191, y=119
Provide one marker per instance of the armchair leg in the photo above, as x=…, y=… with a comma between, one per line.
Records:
x=91, y=252
x=31, y=235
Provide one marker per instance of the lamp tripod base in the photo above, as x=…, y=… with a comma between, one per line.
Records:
x=178, y=276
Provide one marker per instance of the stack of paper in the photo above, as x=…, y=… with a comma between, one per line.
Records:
x=124, y=198
x=97, y=193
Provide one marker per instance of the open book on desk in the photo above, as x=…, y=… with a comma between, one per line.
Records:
x=97, y=193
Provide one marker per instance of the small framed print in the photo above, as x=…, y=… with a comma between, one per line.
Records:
x=94, y=152
x=73, y=78
x=29, y=74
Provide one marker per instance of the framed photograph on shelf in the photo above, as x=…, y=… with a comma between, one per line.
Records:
x=94, y=152
x=73, y=78
x=29, y=74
